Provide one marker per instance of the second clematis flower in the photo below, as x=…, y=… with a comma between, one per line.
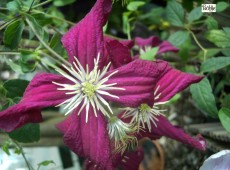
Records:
x=97, y=79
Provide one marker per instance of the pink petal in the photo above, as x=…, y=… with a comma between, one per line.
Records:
x=165, y=128
x=118, y=53
x=152, y=41
x=174, y=81
x=138, y=78
x=85, y=39
x=89, y=140
x=166, y=46
x=132, y=160
x=40, y=93
x=127, y=43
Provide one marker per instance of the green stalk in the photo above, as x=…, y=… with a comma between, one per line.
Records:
x=198, y=43
x=23, y=155
x=41, y=4
x=55, y=55
x=55, y=17
x=9, y=53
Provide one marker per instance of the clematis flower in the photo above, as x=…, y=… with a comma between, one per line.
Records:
x=146, y=44
x=97, y=76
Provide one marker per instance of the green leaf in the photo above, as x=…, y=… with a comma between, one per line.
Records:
x=195, y=14
x=211, y=23
x=133, y=6
x=219, y=38
x=15, y=67
x=175, y=13
x=56, y=45
x=214, y=64
x=13, y=34
x=39, y=30
x=28, y=61
x=149, y=54
x=17, y=151
x=13, y=6
x=224, y=116
x=5, y=148
x=226, y=52
x=15, y=87
x=178, y=38
x=210, y=52
x=46, y=163
x=26, y=134
x=62, y=2
x=226, y=101
x=3, y=91
x=42, y=19
x=221, y=6
x=204, y=98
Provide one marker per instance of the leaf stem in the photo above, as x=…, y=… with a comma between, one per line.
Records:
x=41, y=4
x=23, y=155
x=9, y=53
x=7, y=23
x=55, y=55
x=198, y=43
x=55, y=17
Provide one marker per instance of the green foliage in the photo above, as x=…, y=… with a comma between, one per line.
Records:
x=26, y=134
x=221, y=6
x=56, y=45
x=224, y=116
x=204, y=98
x=149, y=54
x=62, y=2
x=211, y=23
x=175, y=13
x=15, y=87
x=45, y=163
x=13, y=6
x=133, y=6
x=214, y=64
x=5, y=147
x=178, y=38
x=195, y=14
x=28, y=60
x=13, y=34
x=220, y=38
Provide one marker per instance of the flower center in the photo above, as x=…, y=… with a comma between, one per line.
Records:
x=88, y=89
x=122, y=134
x=144, y=108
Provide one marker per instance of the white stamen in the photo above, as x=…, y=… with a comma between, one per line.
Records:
x=145, y=115
x=87, y=88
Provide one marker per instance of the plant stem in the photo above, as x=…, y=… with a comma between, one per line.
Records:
x=31, y=5
x=9, y=53
x=198, y=43
x=7, y=23
x=41, y=4
x=23, y=155
x=55, y=17
x=55, y=55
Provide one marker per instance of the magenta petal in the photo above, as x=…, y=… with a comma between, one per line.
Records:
x=152, y=41
x=89, y=140
x=40, y=93
x=173, y=82
x=132, y=160
x=118, y=53
x=166, y=46
x=138, y=78
x=165, y=128
x=85, y=39
x=127, y=43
